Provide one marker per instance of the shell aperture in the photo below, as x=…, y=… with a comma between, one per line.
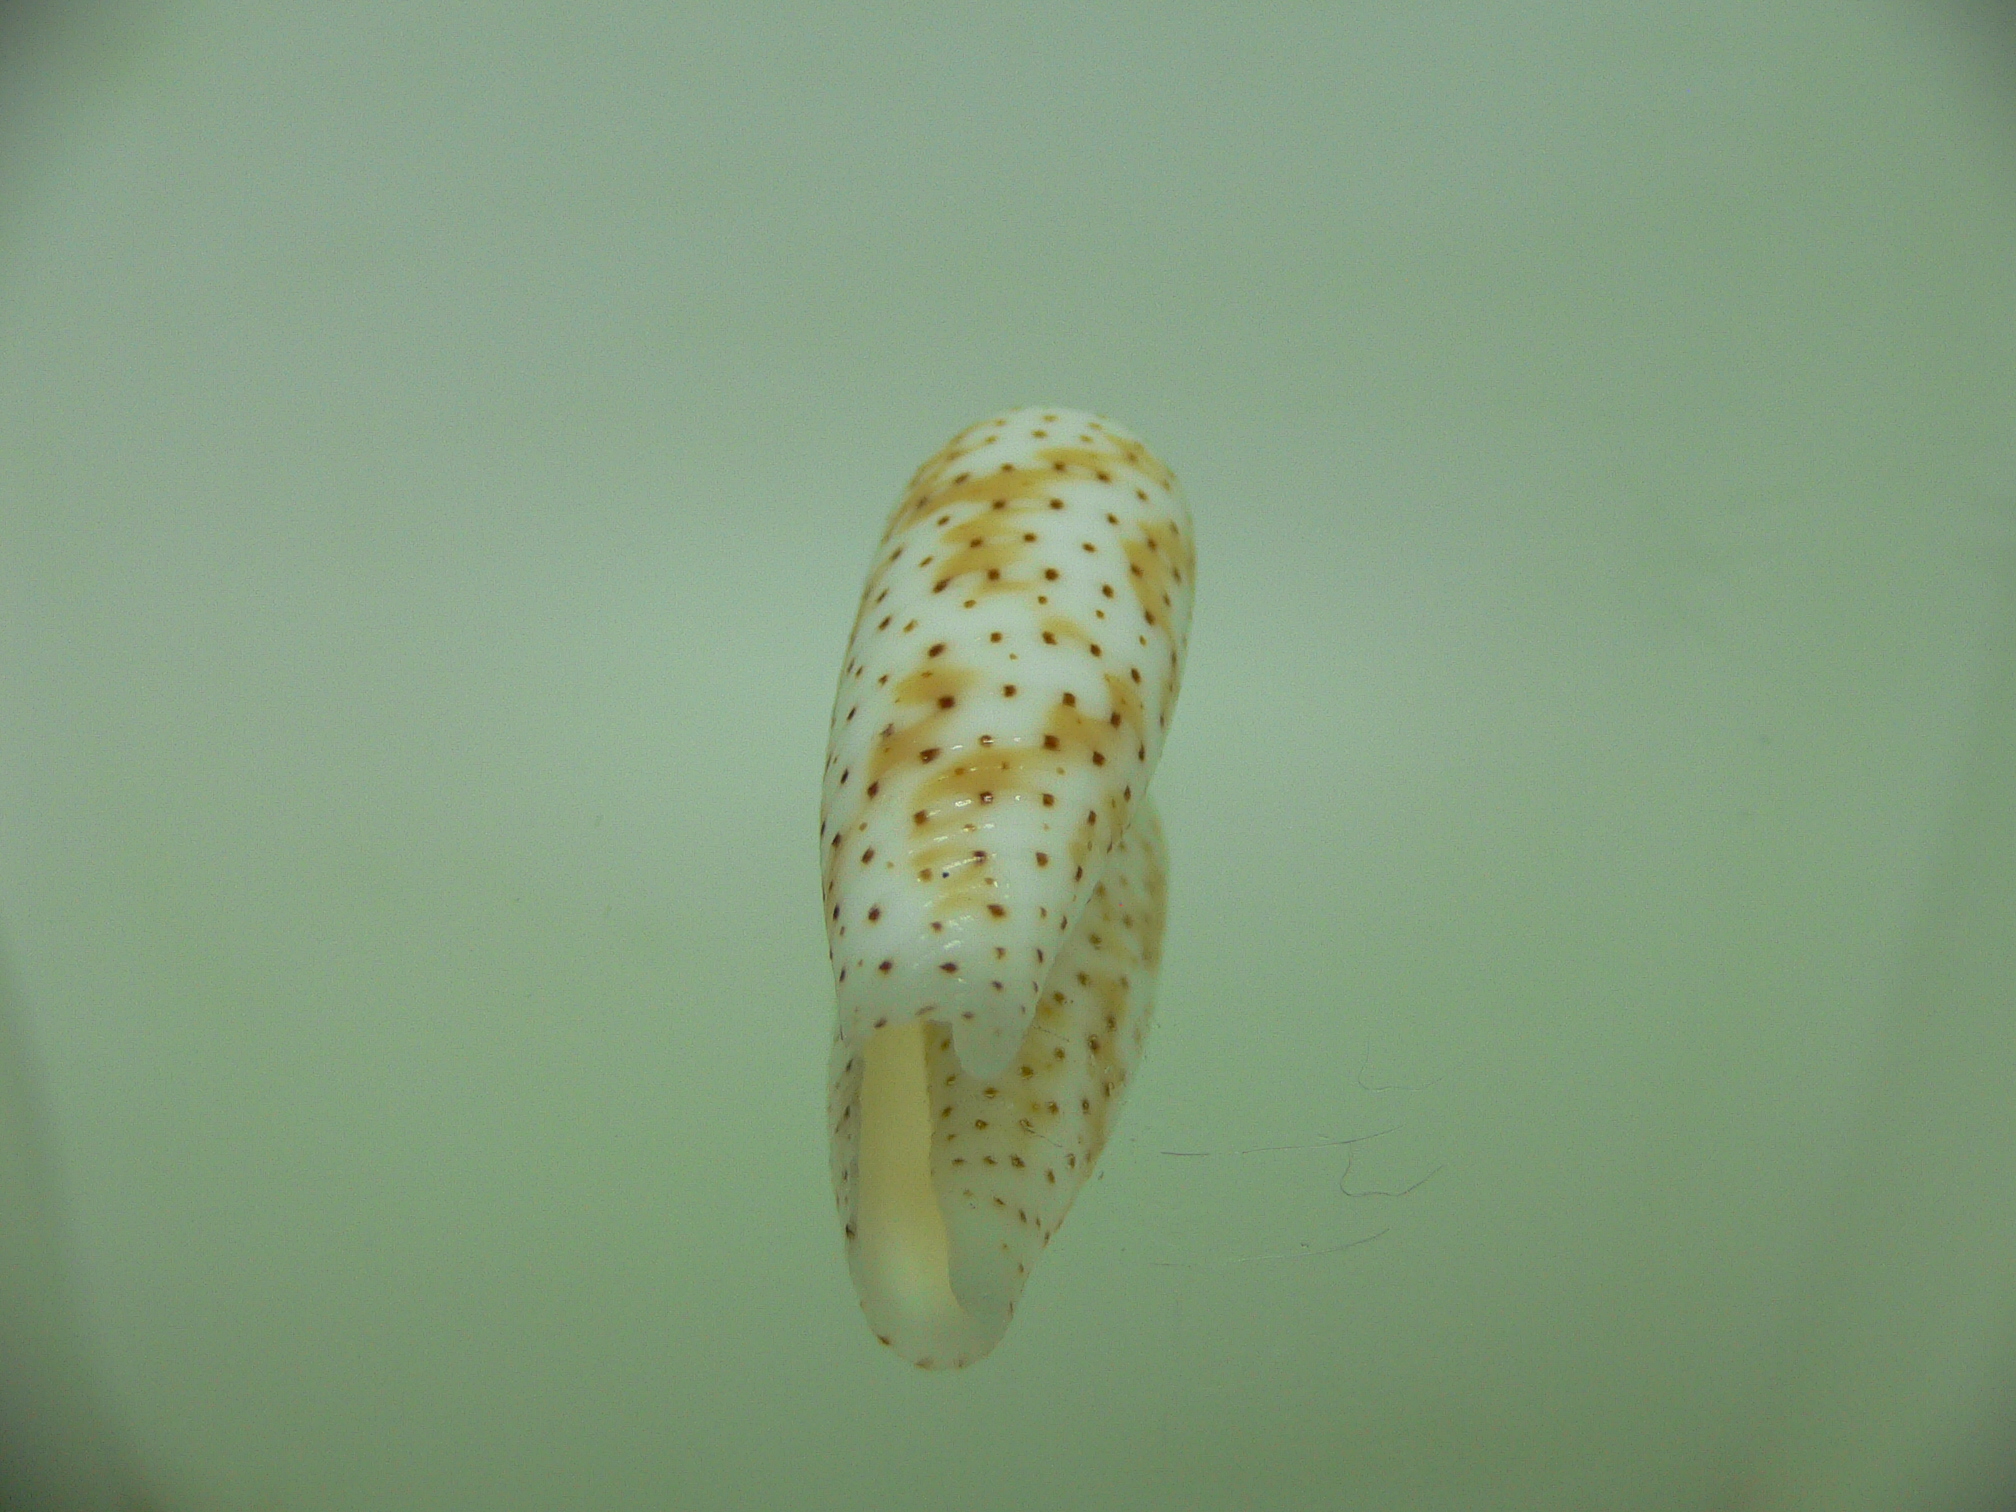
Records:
x=993, y=868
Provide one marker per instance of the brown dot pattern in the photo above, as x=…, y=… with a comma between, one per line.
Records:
x=990, y=861
x=1015, y=662
x=1010, y=1152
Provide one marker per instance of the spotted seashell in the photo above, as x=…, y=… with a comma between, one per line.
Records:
x=994, y=871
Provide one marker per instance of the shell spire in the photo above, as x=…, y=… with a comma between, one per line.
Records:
x=993, y=870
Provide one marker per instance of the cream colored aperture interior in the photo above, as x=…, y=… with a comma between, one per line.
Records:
x=905, y=1264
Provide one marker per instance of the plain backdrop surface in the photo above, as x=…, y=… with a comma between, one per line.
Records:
x=439, y=449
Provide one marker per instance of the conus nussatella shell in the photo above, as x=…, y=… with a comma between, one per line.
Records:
x=994, y=870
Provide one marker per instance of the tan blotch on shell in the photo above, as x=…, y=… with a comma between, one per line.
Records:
x=993, y=869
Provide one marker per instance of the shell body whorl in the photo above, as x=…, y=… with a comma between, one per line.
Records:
x=993, y=871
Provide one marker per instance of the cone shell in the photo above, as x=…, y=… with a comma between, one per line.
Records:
x=994, y=873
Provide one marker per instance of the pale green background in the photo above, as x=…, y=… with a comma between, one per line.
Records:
x=439, y=447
